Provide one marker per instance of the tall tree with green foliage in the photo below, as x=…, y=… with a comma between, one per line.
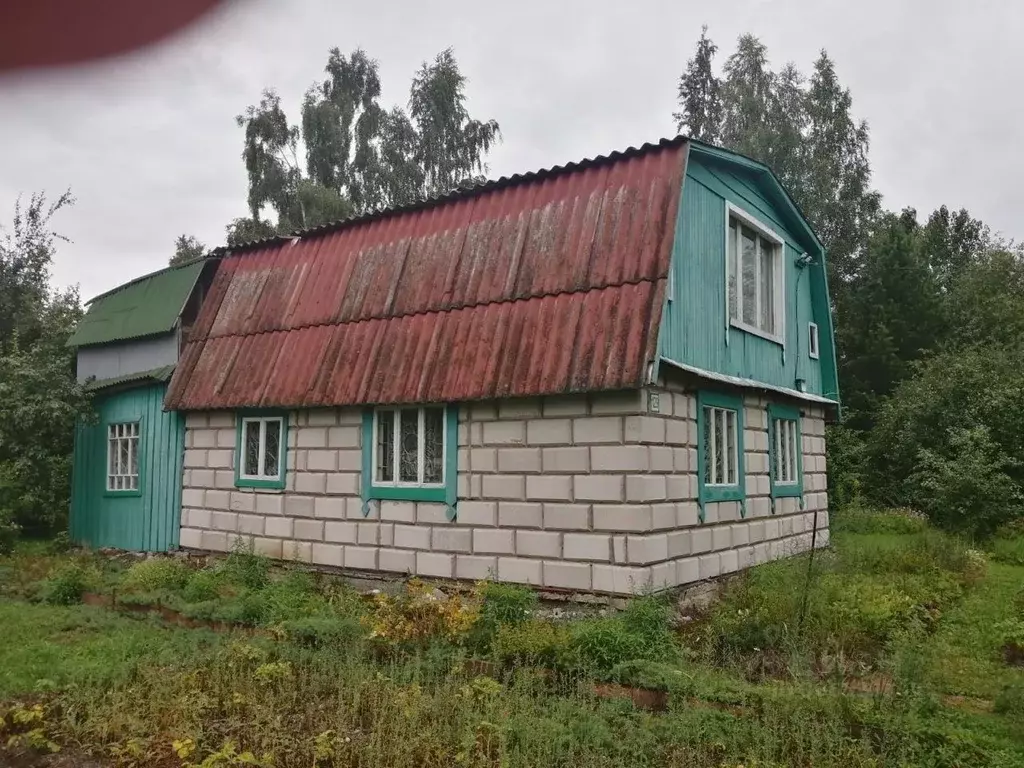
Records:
x=186, y=248
x=39, y=397
x=356, y=155
x=700, y=94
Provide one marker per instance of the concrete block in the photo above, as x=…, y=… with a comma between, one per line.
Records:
x=598, y=487
x=729, y=561
x=513, y=514
x=431, y=513
x=641, y=550
x=663, y=516
x=202, y=478
x=567, y=516
x=398, y=511
x=368, y=534
x=412, y=536
x=710, y=566
x=624, y=402
x=759, y=507
x=224, y=521
x=646, y=488
x=310, y=482
x=745, y=557
x=340, y=533
x=242, y=501
x=618, y=549
x=622, y=517
x=687, y=570
x=361, y=558
x=321, y=417
x=396, y=560
x=679, y=543
x=270, y=503
x=560, y=575
x=538, y=544
x=328, y=554
x=329, y=508
x=299, y=506
x=520, y=570
x=755, y=532
x=311, y=437
x=505, y=486
x=721, y=537
x=504, y=432
x=203, y=438
x=519, y=460
x=586, y=546
x=192, y=497
x=597, y=430
x=619, y=458
x=251, y=524
x=476, y=568
x=195, y=421
x=220, y=458
x=215, y=541
x=190, y=538
x=350, y=460
x=621, y=579
x=450, y=539
x=549, y=432
x=343, y=483
x=198, y=518
x=687, y=514
x=486, y=410
x=221, y=419
x=279, y=527
x=679, y=432
x=472, y=512
x=663, y=576
x=483, y=460
x=700, y=540
x=309, y=529
x=771, y=528
x=645, y=429
x=548, y=487
x=493, y=541
x=344, y=437
x=195, y=458
x=519, y=408
x=438, y=565
x=681, y=487
x=322, y=461
x=273, y=548
x=662, y=458
x=571, y=405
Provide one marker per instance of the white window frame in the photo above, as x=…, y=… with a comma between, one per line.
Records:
x=129, y=432
x=717, y=414
x=812, y=341
x=789, y=427
x=779, y=289
x=420, y=443
x=261, y=456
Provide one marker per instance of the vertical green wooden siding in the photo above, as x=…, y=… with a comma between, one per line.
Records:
x=694, y=328
x=149, y=521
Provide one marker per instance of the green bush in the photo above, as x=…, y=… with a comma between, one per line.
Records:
x=533, y=642
x=648, y=618
x=202, y=586
x=601, y=644
x=154, y=574
x=324, y=631
x=1008, y=550
x=66, y=583
x=865, y=521
x=501, y=605
x=245, y=568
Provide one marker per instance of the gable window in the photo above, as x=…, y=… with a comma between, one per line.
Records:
x=719, y=448
x=812, y=340
x=755, y=275
x=123, y=456
x=410, y=452
x=784, y=451
x=261, y=451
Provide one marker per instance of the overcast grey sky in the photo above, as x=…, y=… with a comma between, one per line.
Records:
x=149, y=146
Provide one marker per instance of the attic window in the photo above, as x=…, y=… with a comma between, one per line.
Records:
x=755, y=276
x=812, y=340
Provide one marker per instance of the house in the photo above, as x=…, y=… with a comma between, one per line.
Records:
x=608, y=376
x=126, y=478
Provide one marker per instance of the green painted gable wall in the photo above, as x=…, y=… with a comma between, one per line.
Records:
x=694, y=329
x=149, y=521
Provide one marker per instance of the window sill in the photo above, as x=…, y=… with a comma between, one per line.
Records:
x=755, y=331
x=400, y=493
x=125, y=494
x=721, y=493
x=243, y=482
x=787, y=491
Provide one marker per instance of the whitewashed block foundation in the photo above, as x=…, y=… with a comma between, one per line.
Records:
x=586, y=493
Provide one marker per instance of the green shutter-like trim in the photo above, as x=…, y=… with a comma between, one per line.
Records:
x=282, y=459
x=446, y=495
x=736, y=492
x=776, y=411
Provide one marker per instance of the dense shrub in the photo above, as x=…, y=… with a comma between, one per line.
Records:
x=501, y=605
x=66, y=583
x=8, y=531
x=1008, y=550
x=533, y=642
x=202, y=586
x=864, y=520
x=322, y=631
x=155, y=574
x=245, y=568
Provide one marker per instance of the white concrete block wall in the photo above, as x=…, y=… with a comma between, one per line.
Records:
x=585, y=493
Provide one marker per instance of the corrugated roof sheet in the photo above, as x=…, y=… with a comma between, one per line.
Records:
x=538, y=284
x=163, y=373
x=143, y=307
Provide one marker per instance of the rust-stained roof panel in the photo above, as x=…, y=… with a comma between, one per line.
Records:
x=548, y=283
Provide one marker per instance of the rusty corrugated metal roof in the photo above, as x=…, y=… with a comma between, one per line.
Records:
x=535, y=284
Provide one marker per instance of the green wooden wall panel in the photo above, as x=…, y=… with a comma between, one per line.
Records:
x=694, y=329
x=149, y=521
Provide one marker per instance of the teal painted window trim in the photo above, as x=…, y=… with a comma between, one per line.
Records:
x=785, y=490
x=136, y=492
x=446, y=493
x=712, y=493
x=282, y=458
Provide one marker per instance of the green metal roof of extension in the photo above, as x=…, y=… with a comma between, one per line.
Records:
x=163, y=373
x=145, y=306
